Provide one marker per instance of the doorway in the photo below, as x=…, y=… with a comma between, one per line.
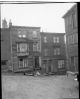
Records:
x=36, y=61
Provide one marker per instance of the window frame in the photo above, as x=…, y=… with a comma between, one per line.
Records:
x=61, y=64
x=35, y=47
x=19, y=45
x=35, y=34
x=56, y=39
x=45, y=52
x=45, y=39
x=56, y=51
x=74, y=18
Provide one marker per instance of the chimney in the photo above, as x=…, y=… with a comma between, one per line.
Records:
x=4, y=23
x=10, y=23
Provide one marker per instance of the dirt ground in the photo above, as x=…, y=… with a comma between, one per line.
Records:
x=39, y=87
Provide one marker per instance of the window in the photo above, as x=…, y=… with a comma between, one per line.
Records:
x=38, y=46
x=25, y=62
x=57, y=51
x=3, y=62
x=73, y=39
x=70, y=39
x=70, y=20
x=74, y=17
x=72, y=59
x=76, y=37
x=45, y=52
x=66, y=22
x=56, y=39
x=45, y=39
x=22, y=47
x=2, y=37
x=20, y=62
x=34, y=47
x=34, y=34
x=24, y=36
x=60, y=63
x=20, y=36
x=76, y=63
x=21, y=33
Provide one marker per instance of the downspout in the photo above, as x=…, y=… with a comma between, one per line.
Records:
x=11, y=49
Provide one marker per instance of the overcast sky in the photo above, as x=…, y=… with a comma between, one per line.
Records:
x=46, y=16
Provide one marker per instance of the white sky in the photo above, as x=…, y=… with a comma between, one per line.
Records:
x=46, y=16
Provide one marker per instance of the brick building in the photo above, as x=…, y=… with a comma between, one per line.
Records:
x=26, y=48
x=22, y=47
x=53, y=56
x=71, y=28
x=5, y=48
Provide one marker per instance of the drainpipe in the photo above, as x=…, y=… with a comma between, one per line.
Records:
x=11, y=49
x=67, y=61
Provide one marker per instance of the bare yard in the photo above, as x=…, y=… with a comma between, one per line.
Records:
x=44, y=87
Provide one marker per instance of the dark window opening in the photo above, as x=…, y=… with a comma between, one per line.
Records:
x=21, y=59
x=4, y=62
x=36, y=62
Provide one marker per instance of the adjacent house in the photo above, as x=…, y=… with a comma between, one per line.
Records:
x=53, y=56
x=71, y=28
x=5, y=48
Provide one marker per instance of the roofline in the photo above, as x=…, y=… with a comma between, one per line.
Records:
x=4, y=28
x=7, y=29
x=51, y=33
x=14, y=26
x=69, y=10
